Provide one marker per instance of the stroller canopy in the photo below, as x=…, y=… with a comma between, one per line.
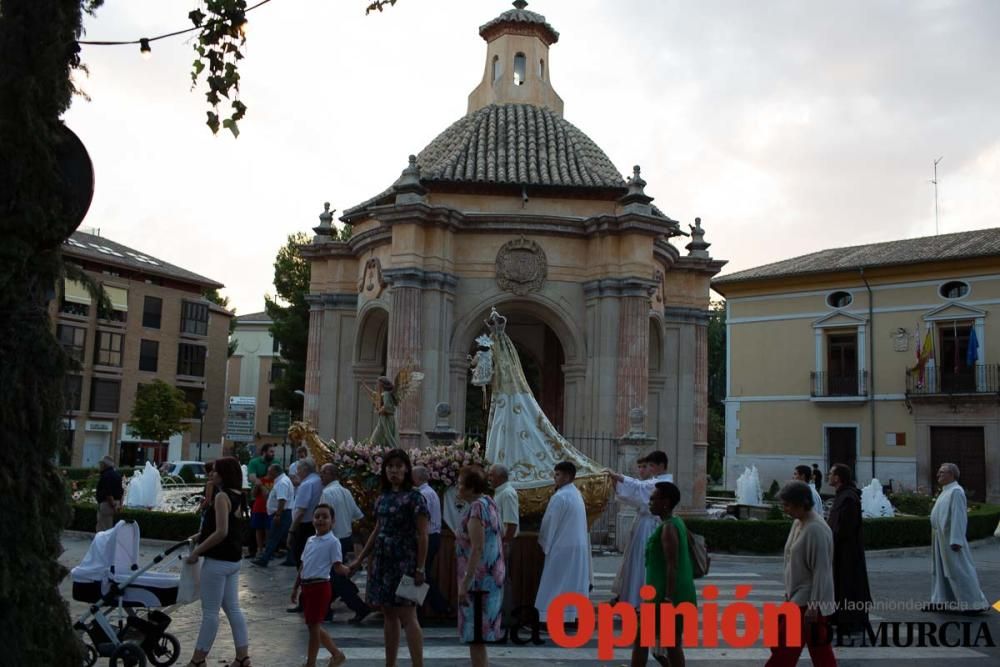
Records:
x=117, y=547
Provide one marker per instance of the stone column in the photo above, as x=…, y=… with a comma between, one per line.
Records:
x=633, y=356
x=314, y=351
x=700, y=463
x=404, y=348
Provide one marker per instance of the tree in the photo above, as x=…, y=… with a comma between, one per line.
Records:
x=159, y=411
x=716, y=388
x=216, y=298
x=290, y=323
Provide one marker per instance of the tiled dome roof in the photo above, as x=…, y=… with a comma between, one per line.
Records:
x=517, y=144
x=520, y=15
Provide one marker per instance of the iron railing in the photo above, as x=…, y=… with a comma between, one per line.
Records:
x=825, y=384
x=980, y=379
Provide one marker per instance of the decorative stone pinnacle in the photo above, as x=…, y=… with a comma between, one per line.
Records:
x=636, y=200
x=698, y=246
x=325, y=227
x=407, y=187
x=520, y=4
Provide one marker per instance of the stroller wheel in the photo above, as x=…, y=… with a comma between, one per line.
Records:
x=165, y=652
x=128, y=654
x=89, y=655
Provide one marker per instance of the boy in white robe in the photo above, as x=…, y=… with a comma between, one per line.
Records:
x=636, y=492
x=565, y=540
x=954, y=582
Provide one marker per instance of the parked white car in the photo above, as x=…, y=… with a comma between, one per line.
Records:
x=175, y=467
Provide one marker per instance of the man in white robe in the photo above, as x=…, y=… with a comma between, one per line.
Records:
x=565, y=540
x=954, y=582
x=636, y=492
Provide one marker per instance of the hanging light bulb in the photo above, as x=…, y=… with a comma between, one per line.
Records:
x=144, y=49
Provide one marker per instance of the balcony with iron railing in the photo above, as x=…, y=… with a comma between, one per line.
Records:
x=838, y=387
x=979, y=380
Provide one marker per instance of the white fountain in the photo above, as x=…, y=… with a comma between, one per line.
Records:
x=748, y=490
x=874, y=503
x=145, y=488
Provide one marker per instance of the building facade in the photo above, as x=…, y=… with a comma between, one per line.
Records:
x=880, y=356
x=254, y=367
x=160, y=326
x=514, y=207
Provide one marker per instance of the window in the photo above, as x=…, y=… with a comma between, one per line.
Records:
x=275, y=346
x=104, y=395
x=149, y=352
x=108, y=349
x=152, y=309
x=519, y=67
x=194, y=318
x=72, y=391
x=957, y=375
x=839, y=299
x=118, y=296
x=193, y=395
x=277, y=372
x=541, y=70
x=842, y=364
x=73, y=340
x=496, y=69
x=191, y=360
x=76, y=299
x=954, y=289
x=71, y=308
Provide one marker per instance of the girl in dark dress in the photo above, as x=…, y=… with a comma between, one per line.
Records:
x=398, y=546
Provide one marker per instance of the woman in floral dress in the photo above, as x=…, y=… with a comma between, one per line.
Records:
x=480, y=566
x=398, y=545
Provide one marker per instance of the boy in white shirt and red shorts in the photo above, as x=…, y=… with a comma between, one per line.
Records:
x=321, y=553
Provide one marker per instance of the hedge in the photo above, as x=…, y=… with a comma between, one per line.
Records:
x=81, y=474
x=768, y=537
x=174, y=526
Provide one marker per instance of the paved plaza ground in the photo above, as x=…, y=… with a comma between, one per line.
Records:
x=899, y=580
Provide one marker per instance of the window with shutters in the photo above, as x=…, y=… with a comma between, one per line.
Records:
x=191, y=360
x=108, y=349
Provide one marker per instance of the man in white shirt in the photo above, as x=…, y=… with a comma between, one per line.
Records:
x=300, y=453
x=345, y=513
x=505, y=496
x=803, y=473
x=636, y=491
x=421, y=476
x=279, y=508
x=565, y=540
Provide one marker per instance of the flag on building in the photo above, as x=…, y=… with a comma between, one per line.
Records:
x=972, y=354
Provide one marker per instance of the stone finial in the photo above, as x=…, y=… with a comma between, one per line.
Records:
x=442, y=411
x=636, y=421
x=407, y=187
x=520, y=4
x=698, y=246
x=325, y=228
x=636, y=200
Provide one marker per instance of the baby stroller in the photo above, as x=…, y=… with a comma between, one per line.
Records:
x=123, y=622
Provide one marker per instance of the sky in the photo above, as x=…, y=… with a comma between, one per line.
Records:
x=787, y=126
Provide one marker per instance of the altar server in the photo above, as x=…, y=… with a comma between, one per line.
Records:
x=565, y=540
x=955, y=584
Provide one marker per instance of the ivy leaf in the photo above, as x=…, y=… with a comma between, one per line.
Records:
x=239, y=110
x=213, y=98
x=231, y=125
x=213, y=122
x=196, y=17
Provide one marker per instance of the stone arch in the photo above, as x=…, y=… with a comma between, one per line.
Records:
x=373, y=335
x=568, y=334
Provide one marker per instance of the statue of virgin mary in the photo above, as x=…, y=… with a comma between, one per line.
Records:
x=523, y=439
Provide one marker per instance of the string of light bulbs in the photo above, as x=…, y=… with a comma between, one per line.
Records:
x=144, y=42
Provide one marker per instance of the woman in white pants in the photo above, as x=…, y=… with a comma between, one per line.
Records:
x=221, y=545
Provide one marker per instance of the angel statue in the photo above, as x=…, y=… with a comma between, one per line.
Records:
x=386, y=397
x=481, y=365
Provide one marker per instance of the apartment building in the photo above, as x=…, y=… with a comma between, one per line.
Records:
x=881, y=356
x=160, y=326
x=254, y=367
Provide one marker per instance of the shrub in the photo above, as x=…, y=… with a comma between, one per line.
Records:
x=775, y=513
x=152, y=525
x=187, y=475
x=912, y=503
x=773, y=490
x=741, y=536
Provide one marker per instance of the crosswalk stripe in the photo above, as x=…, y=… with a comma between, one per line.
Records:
x=713, y=655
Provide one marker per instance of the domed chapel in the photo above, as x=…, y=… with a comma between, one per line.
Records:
x=514, y=207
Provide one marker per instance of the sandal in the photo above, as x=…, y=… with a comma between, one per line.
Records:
x=241, y=662
x=337, y=660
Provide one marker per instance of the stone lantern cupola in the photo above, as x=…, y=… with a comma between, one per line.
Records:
x=517, y=61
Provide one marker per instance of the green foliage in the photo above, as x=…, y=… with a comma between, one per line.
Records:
x=152, y=525
x=290, y=323
x=912, y=503
x=772, y=491
x=159, y=411
x=770, y=536
x=187, y=475
x=775, y=513
x=221, y=35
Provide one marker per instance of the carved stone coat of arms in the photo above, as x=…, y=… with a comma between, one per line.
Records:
x=521, y=266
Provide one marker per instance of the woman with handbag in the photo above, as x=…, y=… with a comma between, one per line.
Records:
x=398, y=546
x=220, y=542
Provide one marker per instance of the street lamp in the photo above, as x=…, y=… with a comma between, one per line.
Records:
x=202, y=409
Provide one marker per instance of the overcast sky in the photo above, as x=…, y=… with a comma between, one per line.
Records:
x=786, y=126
